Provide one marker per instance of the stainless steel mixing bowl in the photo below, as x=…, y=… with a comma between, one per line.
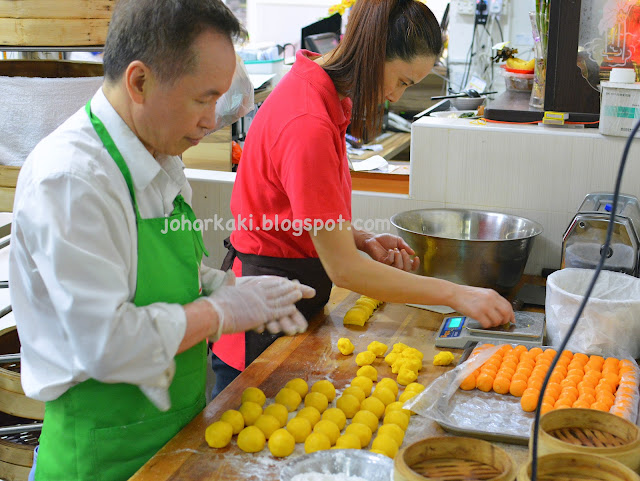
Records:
x=470, y=247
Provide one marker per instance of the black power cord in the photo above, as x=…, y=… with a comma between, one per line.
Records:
x=563, y=344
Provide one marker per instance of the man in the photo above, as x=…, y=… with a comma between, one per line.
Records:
x=106, y=298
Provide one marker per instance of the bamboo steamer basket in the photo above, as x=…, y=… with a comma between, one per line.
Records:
x=16, y=450
x=12, y=398
x=50, y=23
x=453, y=458
x=590, y=432
x=577, y=467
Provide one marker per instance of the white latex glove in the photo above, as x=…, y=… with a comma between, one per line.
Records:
x=259, y=300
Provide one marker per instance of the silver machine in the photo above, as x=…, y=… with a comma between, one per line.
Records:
x=583, y=241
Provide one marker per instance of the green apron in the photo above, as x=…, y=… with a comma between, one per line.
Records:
x=102, y=431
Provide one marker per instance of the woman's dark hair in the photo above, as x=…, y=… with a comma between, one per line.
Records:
x=160, y=33
x=379, y=31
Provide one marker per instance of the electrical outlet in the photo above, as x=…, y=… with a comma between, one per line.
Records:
x=481, y=12
x=495, y=7
x=466, y=7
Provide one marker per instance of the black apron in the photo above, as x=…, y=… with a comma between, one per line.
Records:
x=307, y=271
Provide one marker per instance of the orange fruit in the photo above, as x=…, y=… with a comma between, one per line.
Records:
x=517, y=387
x=501, y=385
x=469, y=383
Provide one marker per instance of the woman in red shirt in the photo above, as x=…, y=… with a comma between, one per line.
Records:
x=292, y=196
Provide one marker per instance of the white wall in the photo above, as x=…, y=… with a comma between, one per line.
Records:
x=281, y=21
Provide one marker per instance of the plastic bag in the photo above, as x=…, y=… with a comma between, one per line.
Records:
x=610, y=322
x=236, y=102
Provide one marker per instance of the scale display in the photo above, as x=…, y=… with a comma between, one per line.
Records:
x=457, y=332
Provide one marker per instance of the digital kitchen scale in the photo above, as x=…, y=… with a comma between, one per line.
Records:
x=457, y=332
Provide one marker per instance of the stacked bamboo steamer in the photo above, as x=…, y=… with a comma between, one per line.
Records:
x=453, y=458
x=16, y=450
x=586, y=444
x=51, y=23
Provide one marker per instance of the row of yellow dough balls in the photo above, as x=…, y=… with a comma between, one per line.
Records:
x=361, y=311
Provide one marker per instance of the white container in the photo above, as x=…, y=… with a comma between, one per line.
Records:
x=519, y=82
x=620, y=104
x=610, y=322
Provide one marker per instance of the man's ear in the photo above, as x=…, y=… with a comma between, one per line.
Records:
x=137, y=81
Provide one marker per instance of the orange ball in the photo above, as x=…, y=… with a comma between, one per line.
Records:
x=600, y=406
x=582, y=358
x=553, y=389
x=581, y=404
x=517, y=387
x=529, y=401
x=545, y=408
x=469, y=383
x=535, y=383
x=484, y=382
x=501, y=385
x=520, y=376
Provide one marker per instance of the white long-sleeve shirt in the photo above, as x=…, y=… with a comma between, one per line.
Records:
x=73, y=261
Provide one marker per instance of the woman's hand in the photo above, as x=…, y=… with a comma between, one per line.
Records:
x=486, y=306
x=391, y=250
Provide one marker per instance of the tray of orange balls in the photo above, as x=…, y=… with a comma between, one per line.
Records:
x=495, y=392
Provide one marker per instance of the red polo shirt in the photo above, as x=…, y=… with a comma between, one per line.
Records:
x=294, y=167
x=294, y=174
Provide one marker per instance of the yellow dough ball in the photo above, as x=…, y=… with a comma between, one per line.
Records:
x=267, y=424
x=349, y=404
x=336, y=416
x=298, y=385
x=368, y=303
x=310, y=413
x=250, y=412
x=374, y=405
x=391, y=358
x=255, y=395
x=364, y=358
x=399, y=347
x=406, y=395
x=397, y=417
x=251, y=440
x=390, y=383
x=326, y=388
x=412, y=352
x=289, y=398
x=384, y=394
x=363, y=383
x=406, y=376
x=386, y=445
x=355, y=391
x=345, y=346
x=299, y=428
x=368, y=418
x=377, y=348
x=443, y=358
x=218, y=434
x=396, y=406
x=415, y=387
x=278, y=411
x=412, y=363
x=392, y=430
x=234, y=418
x=362, y=431
x=356, y=316
x=316, y=442
x=368, y=371
x=317, y=400
x=281, y=443
x=328, y=428
x=348, y=441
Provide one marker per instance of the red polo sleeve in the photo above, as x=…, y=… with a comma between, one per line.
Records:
x=312, y=170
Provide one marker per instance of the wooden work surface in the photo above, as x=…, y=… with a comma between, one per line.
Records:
x=311, y=356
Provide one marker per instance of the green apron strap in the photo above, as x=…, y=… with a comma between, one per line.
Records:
x=181, y=206
x=110, y=145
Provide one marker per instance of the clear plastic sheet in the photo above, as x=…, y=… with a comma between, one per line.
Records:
x=488, y=415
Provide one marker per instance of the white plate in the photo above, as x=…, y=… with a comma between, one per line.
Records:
x=453, y=114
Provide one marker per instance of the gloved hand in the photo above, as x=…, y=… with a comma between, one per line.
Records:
x=259, y=300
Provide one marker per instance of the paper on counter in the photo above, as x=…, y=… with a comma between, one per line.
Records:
x=258, y=80
x=438, y=309
x=374, y=162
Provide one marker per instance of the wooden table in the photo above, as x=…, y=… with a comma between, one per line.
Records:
x=311, y=356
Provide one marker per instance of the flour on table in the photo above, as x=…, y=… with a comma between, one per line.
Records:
x=325, y=477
